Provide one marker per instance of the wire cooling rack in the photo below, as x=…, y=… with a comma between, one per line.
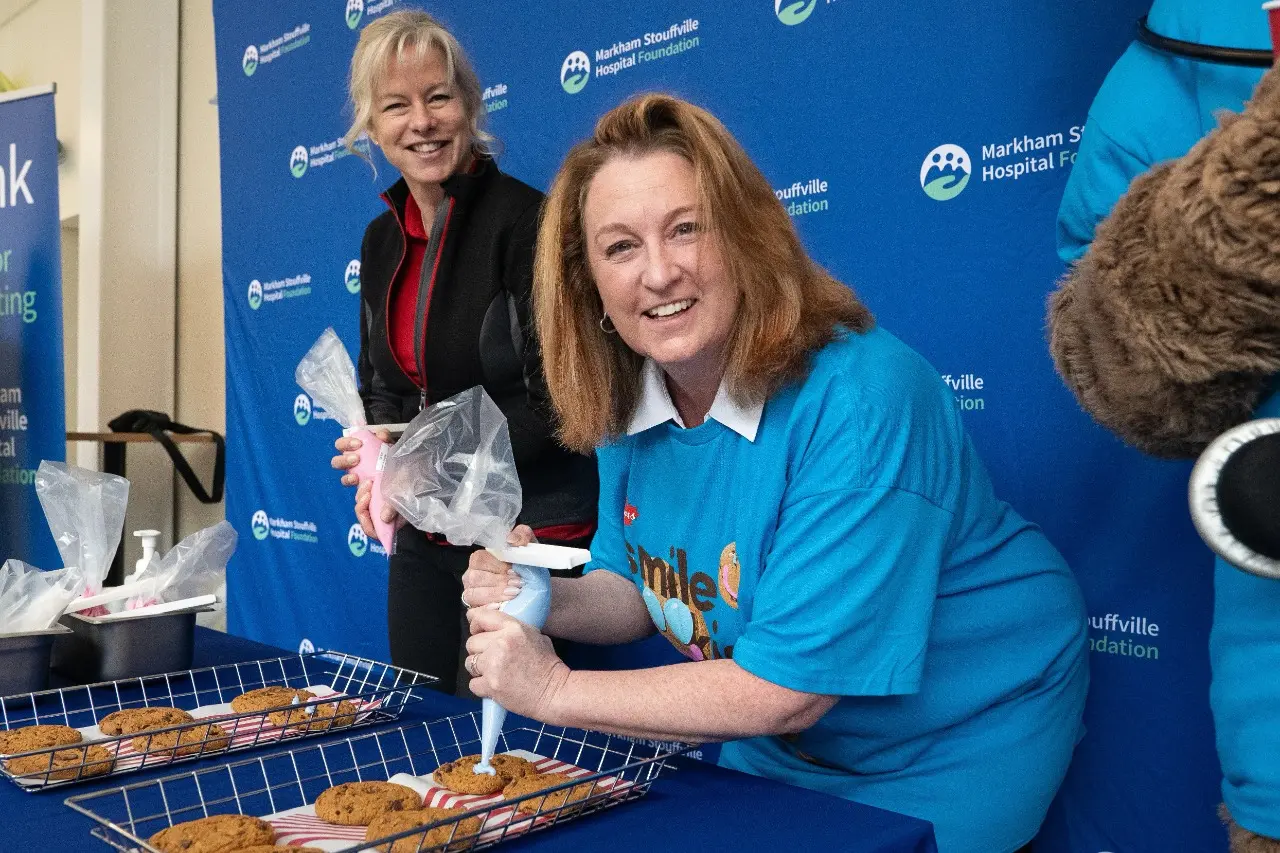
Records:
x=374, y=692
x=605, y=771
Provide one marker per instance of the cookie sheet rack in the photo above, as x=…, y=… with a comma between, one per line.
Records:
x=380, y=691
x=617, y=770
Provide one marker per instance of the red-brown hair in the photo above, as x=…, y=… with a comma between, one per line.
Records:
x=790, y=306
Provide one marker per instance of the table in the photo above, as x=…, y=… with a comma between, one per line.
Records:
x=695, y=806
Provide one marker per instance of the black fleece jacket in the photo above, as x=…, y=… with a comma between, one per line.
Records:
x=476, y=330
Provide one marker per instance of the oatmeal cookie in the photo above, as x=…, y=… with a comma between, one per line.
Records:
x=27, y=738
x=392, y=822
x=460, y=775
x=189, y=741
x=77, y=763
x=131, y=721
x=532, y=784
x=358, y=803
x=217, y=834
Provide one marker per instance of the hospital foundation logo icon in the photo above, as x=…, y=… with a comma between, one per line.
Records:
x=302, y=409
x=298, y=161
x=250, y=61
x=355, y=11
x=255, y=294
x=261, y=528
x=351, y=278
x=357, y=541
x=306, y=647
x=945, y=172
x=575, y=72
x=792, y=12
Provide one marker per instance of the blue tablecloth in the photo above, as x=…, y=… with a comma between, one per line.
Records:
x=698, y=806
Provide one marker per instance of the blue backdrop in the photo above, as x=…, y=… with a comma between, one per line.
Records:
x=921, y=149
x=32, y=411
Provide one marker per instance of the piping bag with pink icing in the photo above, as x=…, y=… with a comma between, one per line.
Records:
x=327, y=374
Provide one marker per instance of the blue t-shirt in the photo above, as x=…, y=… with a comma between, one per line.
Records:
x=1244, y=650
x=856, y=548
x=1153, y=107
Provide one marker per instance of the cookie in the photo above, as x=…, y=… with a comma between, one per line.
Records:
x=131, y=721
x=460, y=775
x=358, y=803
x=78, y=763
x=222, y=833
x=188, y=741
x=265, y=698
x=316, y=718
x=27, y=738
x=462, y=832
x=526, y=785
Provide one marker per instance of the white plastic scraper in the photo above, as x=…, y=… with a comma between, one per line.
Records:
x=531, y=607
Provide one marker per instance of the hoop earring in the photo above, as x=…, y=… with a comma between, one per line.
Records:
x=612, y=329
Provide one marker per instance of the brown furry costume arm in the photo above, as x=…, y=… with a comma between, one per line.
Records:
x=1168, y=329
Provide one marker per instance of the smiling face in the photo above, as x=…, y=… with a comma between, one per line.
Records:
x=659, y=270
x=419, y=120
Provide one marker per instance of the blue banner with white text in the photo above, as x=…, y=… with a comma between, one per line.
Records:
x=32, y=407
x=921, y=150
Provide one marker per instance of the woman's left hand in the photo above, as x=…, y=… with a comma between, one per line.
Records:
x=513, y=663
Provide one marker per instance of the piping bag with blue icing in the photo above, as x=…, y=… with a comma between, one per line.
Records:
x=531, y=606
x=453, y=473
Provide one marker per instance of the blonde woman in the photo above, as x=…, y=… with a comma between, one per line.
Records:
x=789, y=497
x=445, y=288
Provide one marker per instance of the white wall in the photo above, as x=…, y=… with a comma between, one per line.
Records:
x=142, y=225
x=40, y=43
x=201, y=386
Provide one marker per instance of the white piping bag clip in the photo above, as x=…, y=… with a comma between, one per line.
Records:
x=531, y=606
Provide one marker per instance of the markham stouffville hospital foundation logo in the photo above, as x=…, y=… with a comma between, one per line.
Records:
x=357, y=541
x=351, y=278
x=575, y=72
x=945, y=172
x=255, y=294
x=261, y=527
x=355, y=11
x=298, y=161
x=250, y=61
x=302, y=409
x=792, y=12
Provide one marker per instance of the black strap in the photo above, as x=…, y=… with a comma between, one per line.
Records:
x=184, y=469
x=1246, y=57
x=156, y=424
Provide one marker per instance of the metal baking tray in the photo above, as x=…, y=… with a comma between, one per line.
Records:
x=281, y=788
x=379, y=691
x=24, y=659
x=122, y=647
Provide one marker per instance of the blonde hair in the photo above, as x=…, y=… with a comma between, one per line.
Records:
x=790, y=307
x=387, y=38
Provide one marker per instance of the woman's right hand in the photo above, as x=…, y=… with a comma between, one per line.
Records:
x=489, y=582
x=347, y=457
x=364, y=495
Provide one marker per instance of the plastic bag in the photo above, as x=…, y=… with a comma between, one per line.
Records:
x=85, y=512
x=32, y=600
x=327, y=374
x=453, y=472
x=195, y=566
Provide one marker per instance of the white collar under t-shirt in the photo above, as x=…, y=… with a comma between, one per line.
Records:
x=656, y=407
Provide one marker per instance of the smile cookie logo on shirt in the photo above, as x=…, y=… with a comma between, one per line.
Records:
x=629, y=514
x=677, y=600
